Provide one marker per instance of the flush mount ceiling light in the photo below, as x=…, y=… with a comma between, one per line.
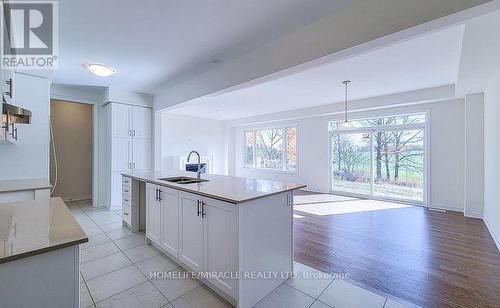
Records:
x=100, y=69
x=346, y=124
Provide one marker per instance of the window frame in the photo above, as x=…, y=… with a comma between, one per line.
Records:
x=425, y=126
x=382, y=127
x=284, y=156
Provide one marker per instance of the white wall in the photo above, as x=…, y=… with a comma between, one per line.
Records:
x=474, y=155
x=446, y=142
x=491, y=157
x=181, y=134
x=29, y=157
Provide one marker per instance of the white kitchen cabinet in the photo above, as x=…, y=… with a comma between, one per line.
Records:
x=190, y=231
x=130, y=145
x=200, y=232
x=122, y=155
x=153, y=213
x=220, y=242
x=142, y=151
x=131, y=121
x=170, y=220
x=141, y=122
x=120, y=120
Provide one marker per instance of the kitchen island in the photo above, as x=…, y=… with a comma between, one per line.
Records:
x=39, y=254
x=235, y=233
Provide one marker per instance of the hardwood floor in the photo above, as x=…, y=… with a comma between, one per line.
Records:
x=428, y=258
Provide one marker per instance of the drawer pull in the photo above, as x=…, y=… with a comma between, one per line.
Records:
x=125, y=213
x=203, y=209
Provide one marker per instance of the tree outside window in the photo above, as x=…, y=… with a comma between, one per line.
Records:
x=271, y=149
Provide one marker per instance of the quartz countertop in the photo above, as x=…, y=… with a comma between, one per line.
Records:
x=24, y=184
x=28, y=228
x=225, y=188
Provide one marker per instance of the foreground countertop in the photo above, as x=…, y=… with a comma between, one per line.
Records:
x=24, y=184
x=226, y=188
x=28, y=228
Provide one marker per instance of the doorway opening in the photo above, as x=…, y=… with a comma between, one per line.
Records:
x=71, y=162
x=380, y=158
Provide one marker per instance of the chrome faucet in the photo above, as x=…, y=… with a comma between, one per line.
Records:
x=198, y=172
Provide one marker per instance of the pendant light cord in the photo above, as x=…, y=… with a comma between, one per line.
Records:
x=346, y=97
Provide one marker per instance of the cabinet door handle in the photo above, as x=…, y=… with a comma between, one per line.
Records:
x=159, y=195
x=125, y=213
x=199, y=208
x=203, y=209
x=126, y=200
x=156, y=195
x=9, y=83
x=134, y=133
x=125, y=190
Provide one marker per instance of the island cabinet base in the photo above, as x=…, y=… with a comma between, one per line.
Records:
x=50, y=279
x=242, y=251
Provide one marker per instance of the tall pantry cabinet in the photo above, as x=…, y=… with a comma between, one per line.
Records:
x=130, y=145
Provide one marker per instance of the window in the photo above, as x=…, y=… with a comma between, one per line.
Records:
x=380, y=157
x=249, y=142
x=271, y=149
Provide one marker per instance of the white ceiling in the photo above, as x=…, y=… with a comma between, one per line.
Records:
x=148, y=42
x=424, y=62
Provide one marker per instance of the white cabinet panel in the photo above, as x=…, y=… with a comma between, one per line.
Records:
x=220, y=242
x=121, y=154
x=170, y=220
x=120, y=120
x=142, y=154
x=153, y=213
x=141, y=122
x=190, y=231
x=116, y=189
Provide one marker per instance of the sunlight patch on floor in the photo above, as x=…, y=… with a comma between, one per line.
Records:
x=346, y=207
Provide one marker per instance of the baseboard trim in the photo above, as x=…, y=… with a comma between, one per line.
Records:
x=473, y=215
x=496, y=239
x=445, y=207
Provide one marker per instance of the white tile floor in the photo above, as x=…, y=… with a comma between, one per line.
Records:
x=116, y=263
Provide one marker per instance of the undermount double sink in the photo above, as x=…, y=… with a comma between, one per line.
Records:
x=183, y=180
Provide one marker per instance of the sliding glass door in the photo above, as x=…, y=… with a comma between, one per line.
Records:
x=351, y=163
x=399, y=164
x=381, y=161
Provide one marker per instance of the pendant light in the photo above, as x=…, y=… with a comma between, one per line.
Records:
x=346, y=124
